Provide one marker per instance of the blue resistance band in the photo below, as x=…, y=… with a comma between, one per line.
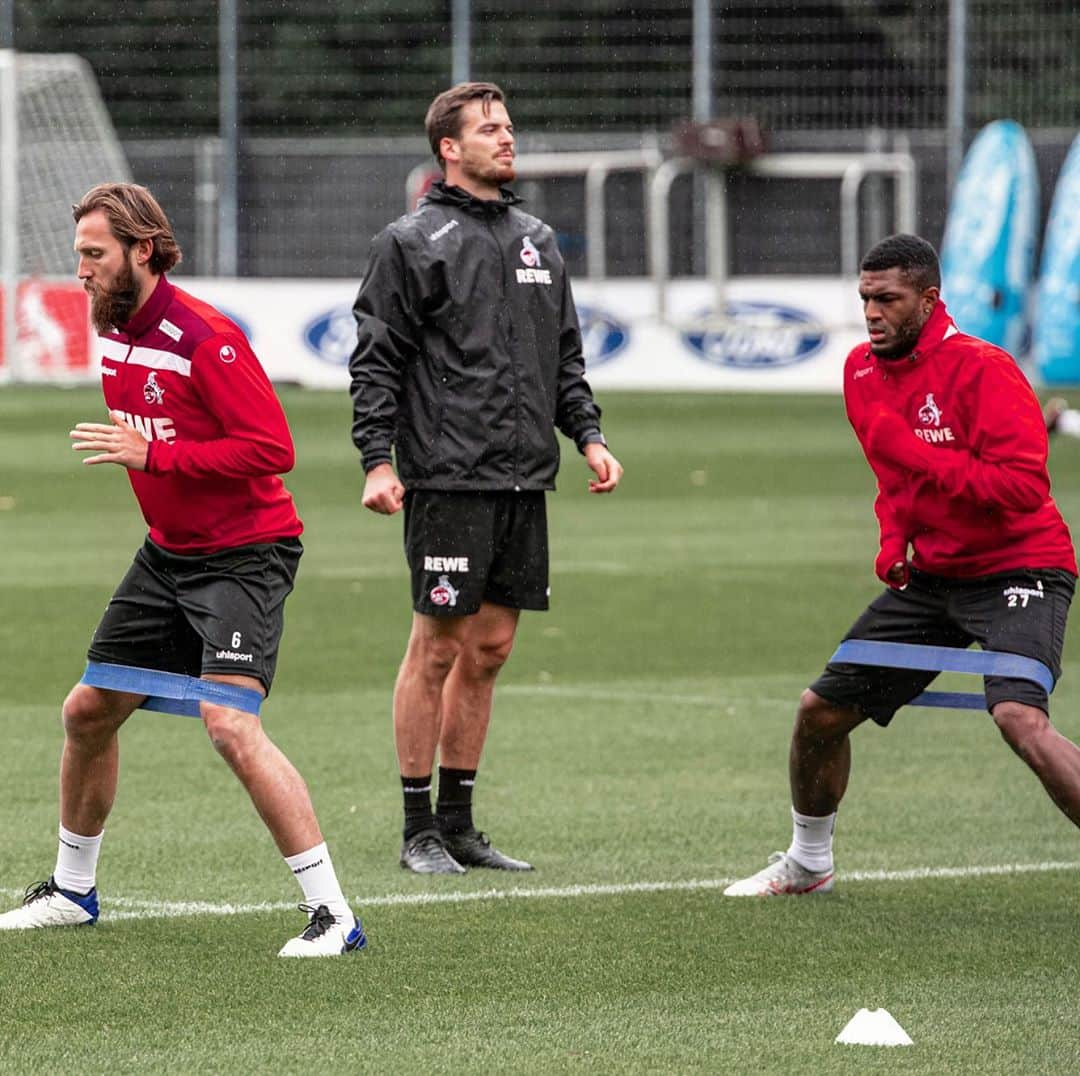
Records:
x=170, y=693
x=945, y=659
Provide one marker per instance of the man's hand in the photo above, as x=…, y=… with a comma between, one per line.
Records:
x=605, y=466
x=118, y=443
x=892, y=569
x=888, y=436
x=383, y=491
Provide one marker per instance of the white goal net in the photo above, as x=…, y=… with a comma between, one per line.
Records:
x=56, y=141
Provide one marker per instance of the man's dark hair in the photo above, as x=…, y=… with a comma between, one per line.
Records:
x=911, y=254
x=443, y=118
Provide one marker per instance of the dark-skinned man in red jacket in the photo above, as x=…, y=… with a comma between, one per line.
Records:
x=972, y=549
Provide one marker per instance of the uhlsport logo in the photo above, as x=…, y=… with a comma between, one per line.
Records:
x=443, y=593
x=757, y=335
x=332, y=335
x=602, y=336
x=1018, y=596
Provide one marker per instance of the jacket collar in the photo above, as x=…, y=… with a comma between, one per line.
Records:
x=151, y=311
x=443, y=193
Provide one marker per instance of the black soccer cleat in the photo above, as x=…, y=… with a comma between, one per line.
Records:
x=471, y=848
x=425, y=853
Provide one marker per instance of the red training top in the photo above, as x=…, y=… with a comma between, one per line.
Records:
x=957, y=441
x=185, y=377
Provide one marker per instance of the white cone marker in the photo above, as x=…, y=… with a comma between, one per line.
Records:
x=873, y=1028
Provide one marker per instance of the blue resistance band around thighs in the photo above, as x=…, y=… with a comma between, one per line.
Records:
x=170, y=693
x=945, y=659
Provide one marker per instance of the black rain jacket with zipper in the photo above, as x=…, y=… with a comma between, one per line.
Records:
x=468, y=349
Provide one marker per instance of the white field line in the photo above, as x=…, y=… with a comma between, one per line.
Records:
x=117, y=908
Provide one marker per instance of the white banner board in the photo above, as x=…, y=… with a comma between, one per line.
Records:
x=780, y=333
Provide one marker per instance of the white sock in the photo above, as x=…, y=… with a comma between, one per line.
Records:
x=811, y=840
x=76, y=861
x=315, y=873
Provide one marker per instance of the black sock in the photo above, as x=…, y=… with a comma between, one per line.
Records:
x=454, y=807
x=418, y=816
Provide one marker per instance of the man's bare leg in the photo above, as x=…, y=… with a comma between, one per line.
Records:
x=1053, y=758
x=819, y=764
x=434, y=646
x=283, y=802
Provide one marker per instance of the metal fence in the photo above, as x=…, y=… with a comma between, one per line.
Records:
x=370, y=68
x=331, y=96
x=310, y=206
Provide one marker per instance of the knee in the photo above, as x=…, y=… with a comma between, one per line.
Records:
x=1019, y=725
x=231, y=731
x=434, y=656
x=86, y=714
x=485, y=657
x=818, y=721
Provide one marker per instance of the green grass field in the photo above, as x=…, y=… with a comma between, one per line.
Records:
x=637, y=757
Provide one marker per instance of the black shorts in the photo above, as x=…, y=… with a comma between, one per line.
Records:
x=1020, y=612
x=468, y=548
x=217, y=613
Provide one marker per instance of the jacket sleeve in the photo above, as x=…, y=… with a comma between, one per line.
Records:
x=1006, y=466
x=576, y=412
x=893, y=533
x=386, y=341
x=233, y=387
x=893, y=537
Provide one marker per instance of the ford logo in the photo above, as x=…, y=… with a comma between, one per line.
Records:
x=332, y=335
x=757, y=335
x=602, y=337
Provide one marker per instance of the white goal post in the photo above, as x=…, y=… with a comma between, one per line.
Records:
x=56, y=141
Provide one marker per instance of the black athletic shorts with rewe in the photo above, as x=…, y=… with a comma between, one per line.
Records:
x=215, y=613
x=465, y=548
x=1018, y=612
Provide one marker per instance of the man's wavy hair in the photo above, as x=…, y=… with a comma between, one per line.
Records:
x=443, y=118
x=133, y=214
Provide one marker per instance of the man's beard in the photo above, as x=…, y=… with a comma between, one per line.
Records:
x=112, y=306
x=907, y=336
x=494, y=173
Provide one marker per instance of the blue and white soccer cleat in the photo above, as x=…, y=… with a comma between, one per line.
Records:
x=325, y=936
x=783, y=877
x=47, y=905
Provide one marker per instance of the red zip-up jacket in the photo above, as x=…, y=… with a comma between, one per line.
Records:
x=957, y=441
x=185, y=377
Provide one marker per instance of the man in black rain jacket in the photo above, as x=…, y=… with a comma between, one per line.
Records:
x=468, y=356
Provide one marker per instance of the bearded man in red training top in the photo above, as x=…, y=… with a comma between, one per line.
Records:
x=973, y=548
x=196, y=424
